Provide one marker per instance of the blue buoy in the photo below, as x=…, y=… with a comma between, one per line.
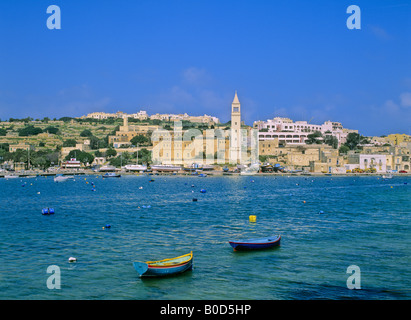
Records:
x=321, y=212
x=47, y=211
x=203, y=191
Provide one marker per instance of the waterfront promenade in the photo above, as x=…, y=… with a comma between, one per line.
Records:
x=31, y=173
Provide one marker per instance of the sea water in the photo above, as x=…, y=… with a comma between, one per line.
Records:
x=326, y=223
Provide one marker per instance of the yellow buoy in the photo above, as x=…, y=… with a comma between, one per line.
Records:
x=252, y=218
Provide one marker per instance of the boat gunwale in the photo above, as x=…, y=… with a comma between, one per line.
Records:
x=151, y=264
x=256, y=243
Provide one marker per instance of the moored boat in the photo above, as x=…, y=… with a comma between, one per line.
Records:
x=135, y=167
x=11, y=176
x=251, y=170
x=47, y=211
x=255, y=244
x=165, y=168
x=61, y=178
x=165, y=267
x=111, y=175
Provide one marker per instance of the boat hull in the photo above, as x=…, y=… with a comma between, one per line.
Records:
x=156, y=269
x=111, y=175
x=256, y=244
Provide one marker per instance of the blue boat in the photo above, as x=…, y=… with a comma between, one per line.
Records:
x=166, y=267
x=47, y=211
x=255, y=244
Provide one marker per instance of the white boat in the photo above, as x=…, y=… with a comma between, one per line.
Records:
x=135, y=167
x=62, y=178
x=387, y=176
x=107, y=168
x=251, y=170
x=11, y=176
x=165, y=167
x=111, y=175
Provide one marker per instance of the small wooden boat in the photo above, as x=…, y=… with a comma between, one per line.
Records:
x=255, y=244
x=166, y=267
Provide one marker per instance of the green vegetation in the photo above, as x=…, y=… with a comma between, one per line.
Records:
x=29, y=131
x=140, y=140
x=82, y=156
x=315, y=138
x=69, y=143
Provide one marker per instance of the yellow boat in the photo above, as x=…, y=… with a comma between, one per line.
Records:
x=165, y=267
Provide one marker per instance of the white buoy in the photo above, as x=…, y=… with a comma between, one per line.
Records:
x=72, y=259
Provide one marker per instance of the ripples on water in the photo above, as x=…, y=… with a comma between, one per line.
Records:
x=365, y=223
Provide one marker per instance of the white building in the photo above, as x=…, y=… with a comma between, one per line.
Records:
x=289, y=132
x=377, y=161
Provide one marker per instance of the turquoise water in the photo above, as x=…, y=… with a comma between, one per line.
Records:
x=366, y=222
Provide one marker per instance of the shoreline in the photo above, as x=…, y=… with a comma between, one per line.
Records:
x=208, y=173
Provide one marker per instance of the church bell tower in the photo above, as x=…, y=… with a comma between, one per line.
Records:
x=235, y=136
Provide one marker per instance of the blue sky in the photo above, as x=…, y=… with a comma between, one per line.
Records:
x=294, y=59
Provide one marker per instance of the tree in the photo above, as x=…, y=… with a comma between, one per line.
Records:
x=3, y=132
x=343, y=149
x=139, y=139
x=111, y=153
x=98, y=153
x=86, y=133
x=69, y=143
x=82, y=156
x=331, y=141
x=94, y=142
x=313, y=138
x=144, y=155
x=354, y=139
x=121, y=160
x=29, y=131
x=66, y=119
x=51, y=130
